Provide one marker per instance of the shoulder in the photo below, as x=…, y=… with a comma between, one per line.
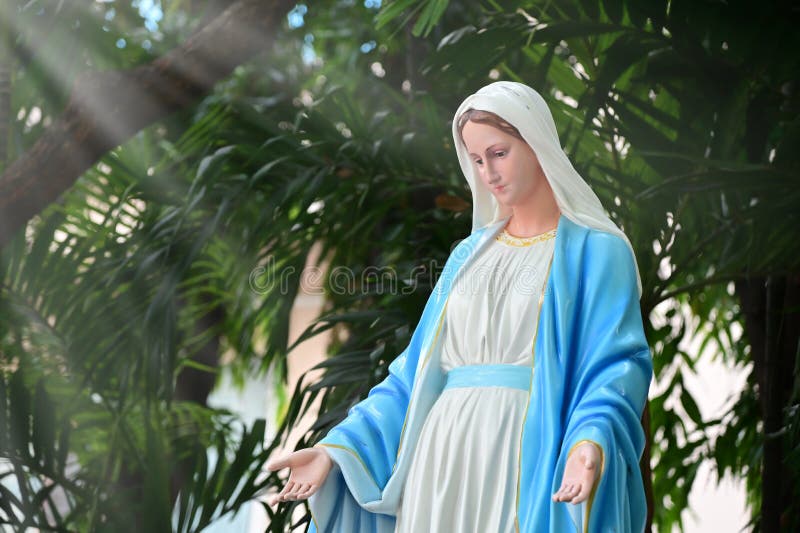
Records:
x=609, y=262
x=606, y=246
x=590, y=257
x=590, y=246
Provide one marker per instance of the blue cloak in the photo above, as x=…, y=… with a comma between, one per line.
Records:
x=592, y=371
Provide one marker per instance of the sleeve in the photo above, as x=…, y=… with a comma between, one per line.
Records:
x=364, y=446
x=608, y=374
x=368, y=438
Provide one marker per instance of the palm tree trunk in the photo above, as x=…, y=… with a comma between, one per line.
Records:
x=771, y=307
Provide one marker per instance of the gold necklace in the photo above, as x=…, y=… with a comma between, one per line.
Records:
x=506, y=238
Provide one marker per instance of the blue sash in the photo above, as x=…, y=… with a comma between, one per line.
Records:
x=514, y=376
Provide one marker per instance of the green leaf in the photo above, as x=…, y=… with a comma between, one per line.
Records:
x=390, y=11
x=690, y=406
x=431, y=13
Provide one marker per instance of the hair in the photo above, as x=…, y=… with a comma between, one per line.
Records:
x=486, y=117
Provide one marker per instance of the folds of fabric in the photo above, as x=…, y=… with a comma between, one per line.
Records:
x=373, y=445
x=592, y=370
x=592, y=373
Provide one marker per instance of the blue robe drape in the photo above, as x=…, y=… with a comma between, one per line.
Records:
x=592, y=370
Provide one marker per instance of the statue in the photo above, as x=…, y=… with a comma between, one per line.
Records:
x=516, y=405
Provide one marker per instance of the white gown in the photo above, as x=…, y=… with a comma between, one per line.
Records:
x=464, y=474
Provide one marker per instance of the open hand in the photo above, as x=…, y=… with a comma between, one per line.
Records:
x=580, y=474
x=309, y=468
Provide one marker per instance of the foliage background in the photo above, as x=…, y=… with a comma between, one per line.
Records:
x=118, y=301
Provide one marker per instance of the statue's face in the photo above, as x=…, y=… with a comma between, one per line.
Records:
x=507, y=166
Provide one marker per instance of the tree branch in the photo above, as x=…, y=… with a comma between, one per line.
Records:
x=108, y=107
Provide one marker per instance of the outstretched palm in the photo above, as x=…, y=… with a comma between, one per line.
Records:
x=579, y=474
x=309, y=468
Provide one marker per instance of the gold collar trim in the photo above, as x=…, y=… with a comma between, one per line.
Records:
x=511, y=240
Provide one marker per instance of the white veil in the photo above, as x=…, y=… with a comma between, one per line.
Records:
x=525, y=109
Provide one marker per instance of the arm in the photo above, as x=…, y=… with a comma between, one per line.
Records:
x=348, y=467
x=365, y=444
x=370, y=434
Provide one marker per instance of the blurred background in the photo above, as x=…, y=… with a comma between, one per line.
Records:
x=220, y=221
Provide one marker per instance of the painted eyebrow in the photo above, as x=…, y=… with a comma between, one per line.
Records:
x=492, y=147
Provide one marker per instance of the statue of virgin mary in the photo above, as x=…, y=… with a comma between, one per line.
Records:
x=529, y=348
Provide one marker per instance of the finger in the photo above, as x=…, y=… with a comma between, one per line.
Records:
x=306, y=491
x=581, y=496
x=564, y=496
x=296, y=490
x=560, y=495
x=289, y=487
x=567, y=492
x=277, y=464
